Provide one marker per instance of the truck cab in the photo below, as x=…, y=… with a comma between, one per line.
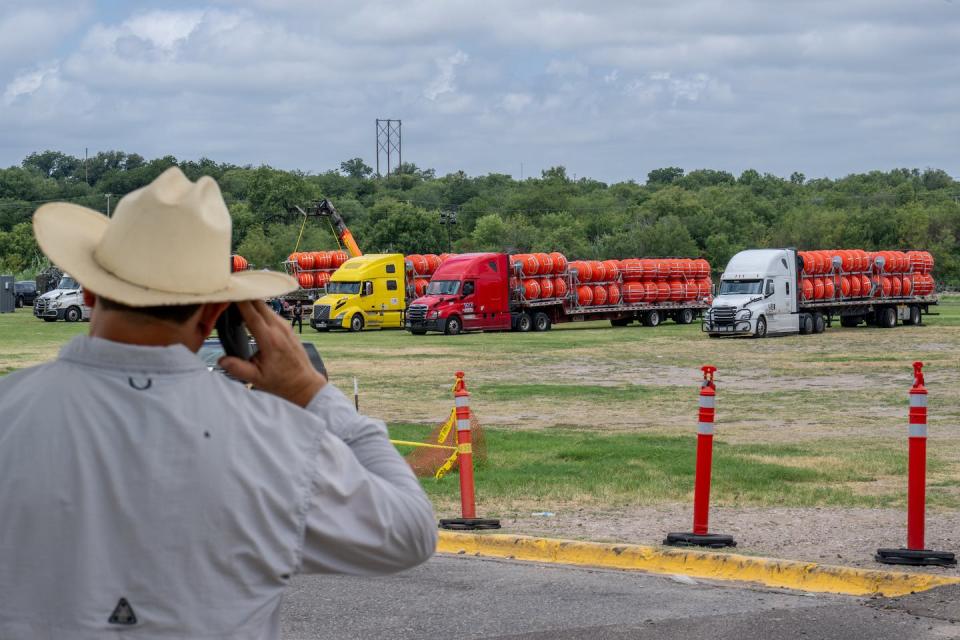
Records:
x=468, y=292
x=63, y=303
x=757, y=295
x=365, y=292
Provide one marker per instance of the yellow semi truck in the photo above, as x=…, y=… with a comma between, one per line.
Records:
x=365, y=292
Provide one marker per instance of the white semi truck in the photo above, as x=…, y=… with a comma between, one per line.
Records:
x=761, y=293
x=63, y=303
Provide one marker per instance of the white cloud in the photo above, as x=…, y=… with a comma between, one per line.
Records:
x=445, y=81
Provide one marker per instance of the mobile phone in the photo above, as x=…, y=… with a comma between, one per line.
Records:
x=233, y=334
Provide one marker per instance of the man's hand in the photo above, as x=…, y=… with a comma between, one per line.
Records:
x=280, y=365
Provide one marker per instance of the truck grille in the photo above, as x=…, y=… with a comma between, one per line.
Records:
x=417, y=312
x=40, y=305
x=321, y=312
x=723, y=315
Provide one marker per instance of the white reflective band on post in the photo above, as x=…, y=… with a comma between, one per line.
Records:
x=708, y=402
x=918, y=399
x=463, y=425
x=705, y=428
x=461, y=401
x=918, y=431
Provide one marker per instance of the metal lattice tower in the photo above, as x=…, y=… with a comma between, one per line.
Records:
x=389, y=144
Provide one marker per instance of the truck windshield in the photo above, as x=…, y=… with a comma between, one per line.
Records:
x=343, y=287
x=66, y=282
x=443, y=287
x=734, y=287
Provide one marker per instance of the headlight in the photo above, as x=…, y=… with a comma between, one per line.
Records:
x=744, y=314
x=434, y=314
x=340, y=316
x=53, y=304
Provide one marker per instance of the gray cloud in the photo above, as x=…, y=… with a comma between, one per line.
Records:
x=610, y=89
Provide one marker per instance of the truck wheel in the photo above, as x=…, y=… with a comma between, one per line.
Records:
x=887, y=318
x=806, y=324
x=914, y=318
x=849, y=321
x=453, y=326
x=651, y=318
x=819, y=323
x=524, y=323
x=541, y=321
x=356, y=323
x=761, y=331
x=684, y=316
x=620, y=322
x=72, y=314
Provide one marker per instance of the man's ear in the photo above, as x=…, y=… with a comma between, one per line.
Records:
x=89, y=298
x=209, y=313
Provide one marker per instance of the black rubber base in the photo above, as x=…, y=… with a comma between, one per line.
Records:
x=469, y=524
x=713, y=540
x=916, y=557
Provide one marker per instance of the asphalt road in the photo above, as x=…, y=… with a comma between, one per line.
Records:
x=467, y=598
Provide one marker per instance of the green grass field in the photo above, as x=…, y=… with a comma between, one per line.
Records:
x=588, y=416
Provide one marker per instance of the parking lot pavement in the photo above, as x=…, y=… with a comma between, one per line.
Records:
x=465, y=598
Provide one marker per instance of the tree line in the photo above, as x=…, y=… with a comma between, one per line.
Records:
x=704, y=212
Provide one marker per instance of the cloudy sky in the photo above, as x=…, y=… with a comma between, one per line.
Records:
x=608, y=88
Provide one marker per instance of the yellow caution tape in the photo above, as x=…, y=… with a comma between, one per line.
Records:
x=447, y=426
x=446, y=466
x=422, y=444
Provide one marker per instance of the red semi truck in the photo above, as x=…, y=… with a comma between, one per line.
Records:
x=494, y=292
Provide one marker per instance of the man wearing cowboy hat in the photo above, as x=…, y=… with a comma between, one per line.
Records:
x=143, y=494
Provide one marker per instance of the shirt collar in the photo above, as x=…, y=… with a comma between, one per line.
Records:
x=97, y=352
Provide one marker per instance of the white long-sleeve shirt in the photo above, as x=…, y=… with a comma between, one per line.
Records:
x=137, y=485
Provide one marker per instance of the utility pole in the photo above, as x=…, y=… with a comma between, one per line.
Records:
x=447, y=218
x=389, y=142
x=108, y=195
x=85, y=178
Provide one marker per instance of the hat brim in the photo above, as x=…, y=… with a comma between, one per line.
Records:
x=69, y=234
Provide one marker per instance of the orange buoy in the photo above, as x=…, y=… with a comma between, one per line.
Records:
x=419, y=263
x=631, y=270
x=546, y=287
x=886, y=286
x=829, y=289
x=306, y=280
x=635, y=292
x=584, y=271
x=896, y=286
x=433, y=261
x=420, y=286
x=806, y=288
x=322, y=259
x=818, y=288
x=845, y=286
x=305, y=261
x=337, y=258
x=701, y=268
x=559, y=287
x=676, y=290
x=906, y=285
x=544, y=263
x=559, y=262
x=584, y=295
x=866, y=286
x=599, y=271
x=599, y=294
x=531, y=289
x=237, y=263
x=704, y=288
x=613, y=293
x=612, y=268
x=854, y=286
x=663, y=290
x=321, y=279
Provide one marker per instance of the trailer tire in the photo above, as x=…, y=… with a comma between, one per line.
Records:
x=806, y=324
x=72, y=314
x=819, y=323
x=761, y=330
x=453, y=326
x=887, y=318
x=524, y=323
x=914, y=318
x=541, y=321
x=651, y=318
x=849, y=321
x=619, y=322
x=356, y=323
x=684, y=316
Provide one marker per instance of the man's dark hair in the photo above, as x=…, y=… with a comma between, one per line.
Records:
x=178, y=313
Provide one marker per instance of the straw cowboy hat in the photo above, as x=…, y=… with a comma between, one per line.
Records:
x=166, y=244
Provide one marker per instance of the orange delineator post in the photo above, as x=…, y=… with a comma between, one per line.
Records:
x=461, y=400
x=916, y=553
x=704, y=469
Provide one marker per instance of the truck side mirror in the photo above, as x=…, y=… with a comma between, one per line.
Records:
x=367, y=288
x=769, y=291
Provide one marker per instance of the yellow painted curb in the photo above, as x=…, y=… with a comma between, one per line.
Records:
x=788, y=574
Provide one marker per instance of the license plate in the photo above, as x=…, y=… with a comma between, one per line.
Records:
x=321, y=324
